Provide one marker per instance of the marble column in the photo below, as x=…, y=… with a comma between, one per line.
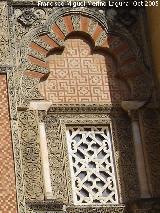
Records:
x=41, y=107
x=132, y=108
x=45, y=162
x=140, y=160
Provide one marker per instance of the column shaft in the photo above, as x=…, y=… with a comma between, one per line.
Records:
x=45, y=162
x=140, y=161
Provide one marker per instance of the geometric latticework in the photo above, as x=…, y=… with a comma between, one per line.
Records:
x=92, y=165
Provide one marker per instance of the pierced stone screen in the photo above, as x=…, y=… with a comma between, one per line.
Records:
x=92, y=166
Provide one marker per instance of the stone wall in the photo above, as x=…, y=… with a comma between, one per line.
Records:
x=7, y=175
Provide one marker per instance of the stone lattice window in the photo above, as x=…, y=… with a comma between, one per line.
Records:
x=92, y=165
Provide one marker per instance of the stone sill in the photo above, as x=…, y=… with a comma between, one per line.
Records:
x=45, y=205
x=52, y=205
x=93, y=209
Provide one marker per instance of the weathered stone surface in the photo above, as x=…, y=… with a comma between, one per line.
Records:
x=4, y=35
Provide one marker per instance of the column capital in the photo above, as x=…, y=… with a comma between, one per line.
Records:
x=40, y=105
x=132, y=107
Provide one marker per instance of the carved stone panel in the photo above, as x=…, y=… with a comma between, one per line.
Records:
x=150, y=125
x=28, y=133
x=5, y=58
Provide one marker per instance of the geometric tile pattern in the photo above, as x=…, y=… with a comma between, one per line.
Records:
x=80, y=76
x=7, y=175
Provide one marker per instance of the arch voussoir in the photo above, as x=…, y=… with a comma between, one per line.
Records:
x=68, y=23
x=129, y=66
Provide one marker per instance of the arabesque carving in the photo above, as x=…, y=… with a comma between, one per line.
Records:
x=56, y=125
x=151, y=141
x=32, y=68
x=28, y=132
x=5, y=58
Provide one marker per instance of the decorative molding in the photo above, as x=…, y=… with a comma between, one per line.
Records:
x=103, y=209
x=5, y=57
x=27, y=18
x=5, y=69
x=109, y=109
x=45, y=205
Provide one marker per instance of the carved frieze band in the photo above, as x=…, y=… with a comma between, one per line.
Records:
x=5, y=58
